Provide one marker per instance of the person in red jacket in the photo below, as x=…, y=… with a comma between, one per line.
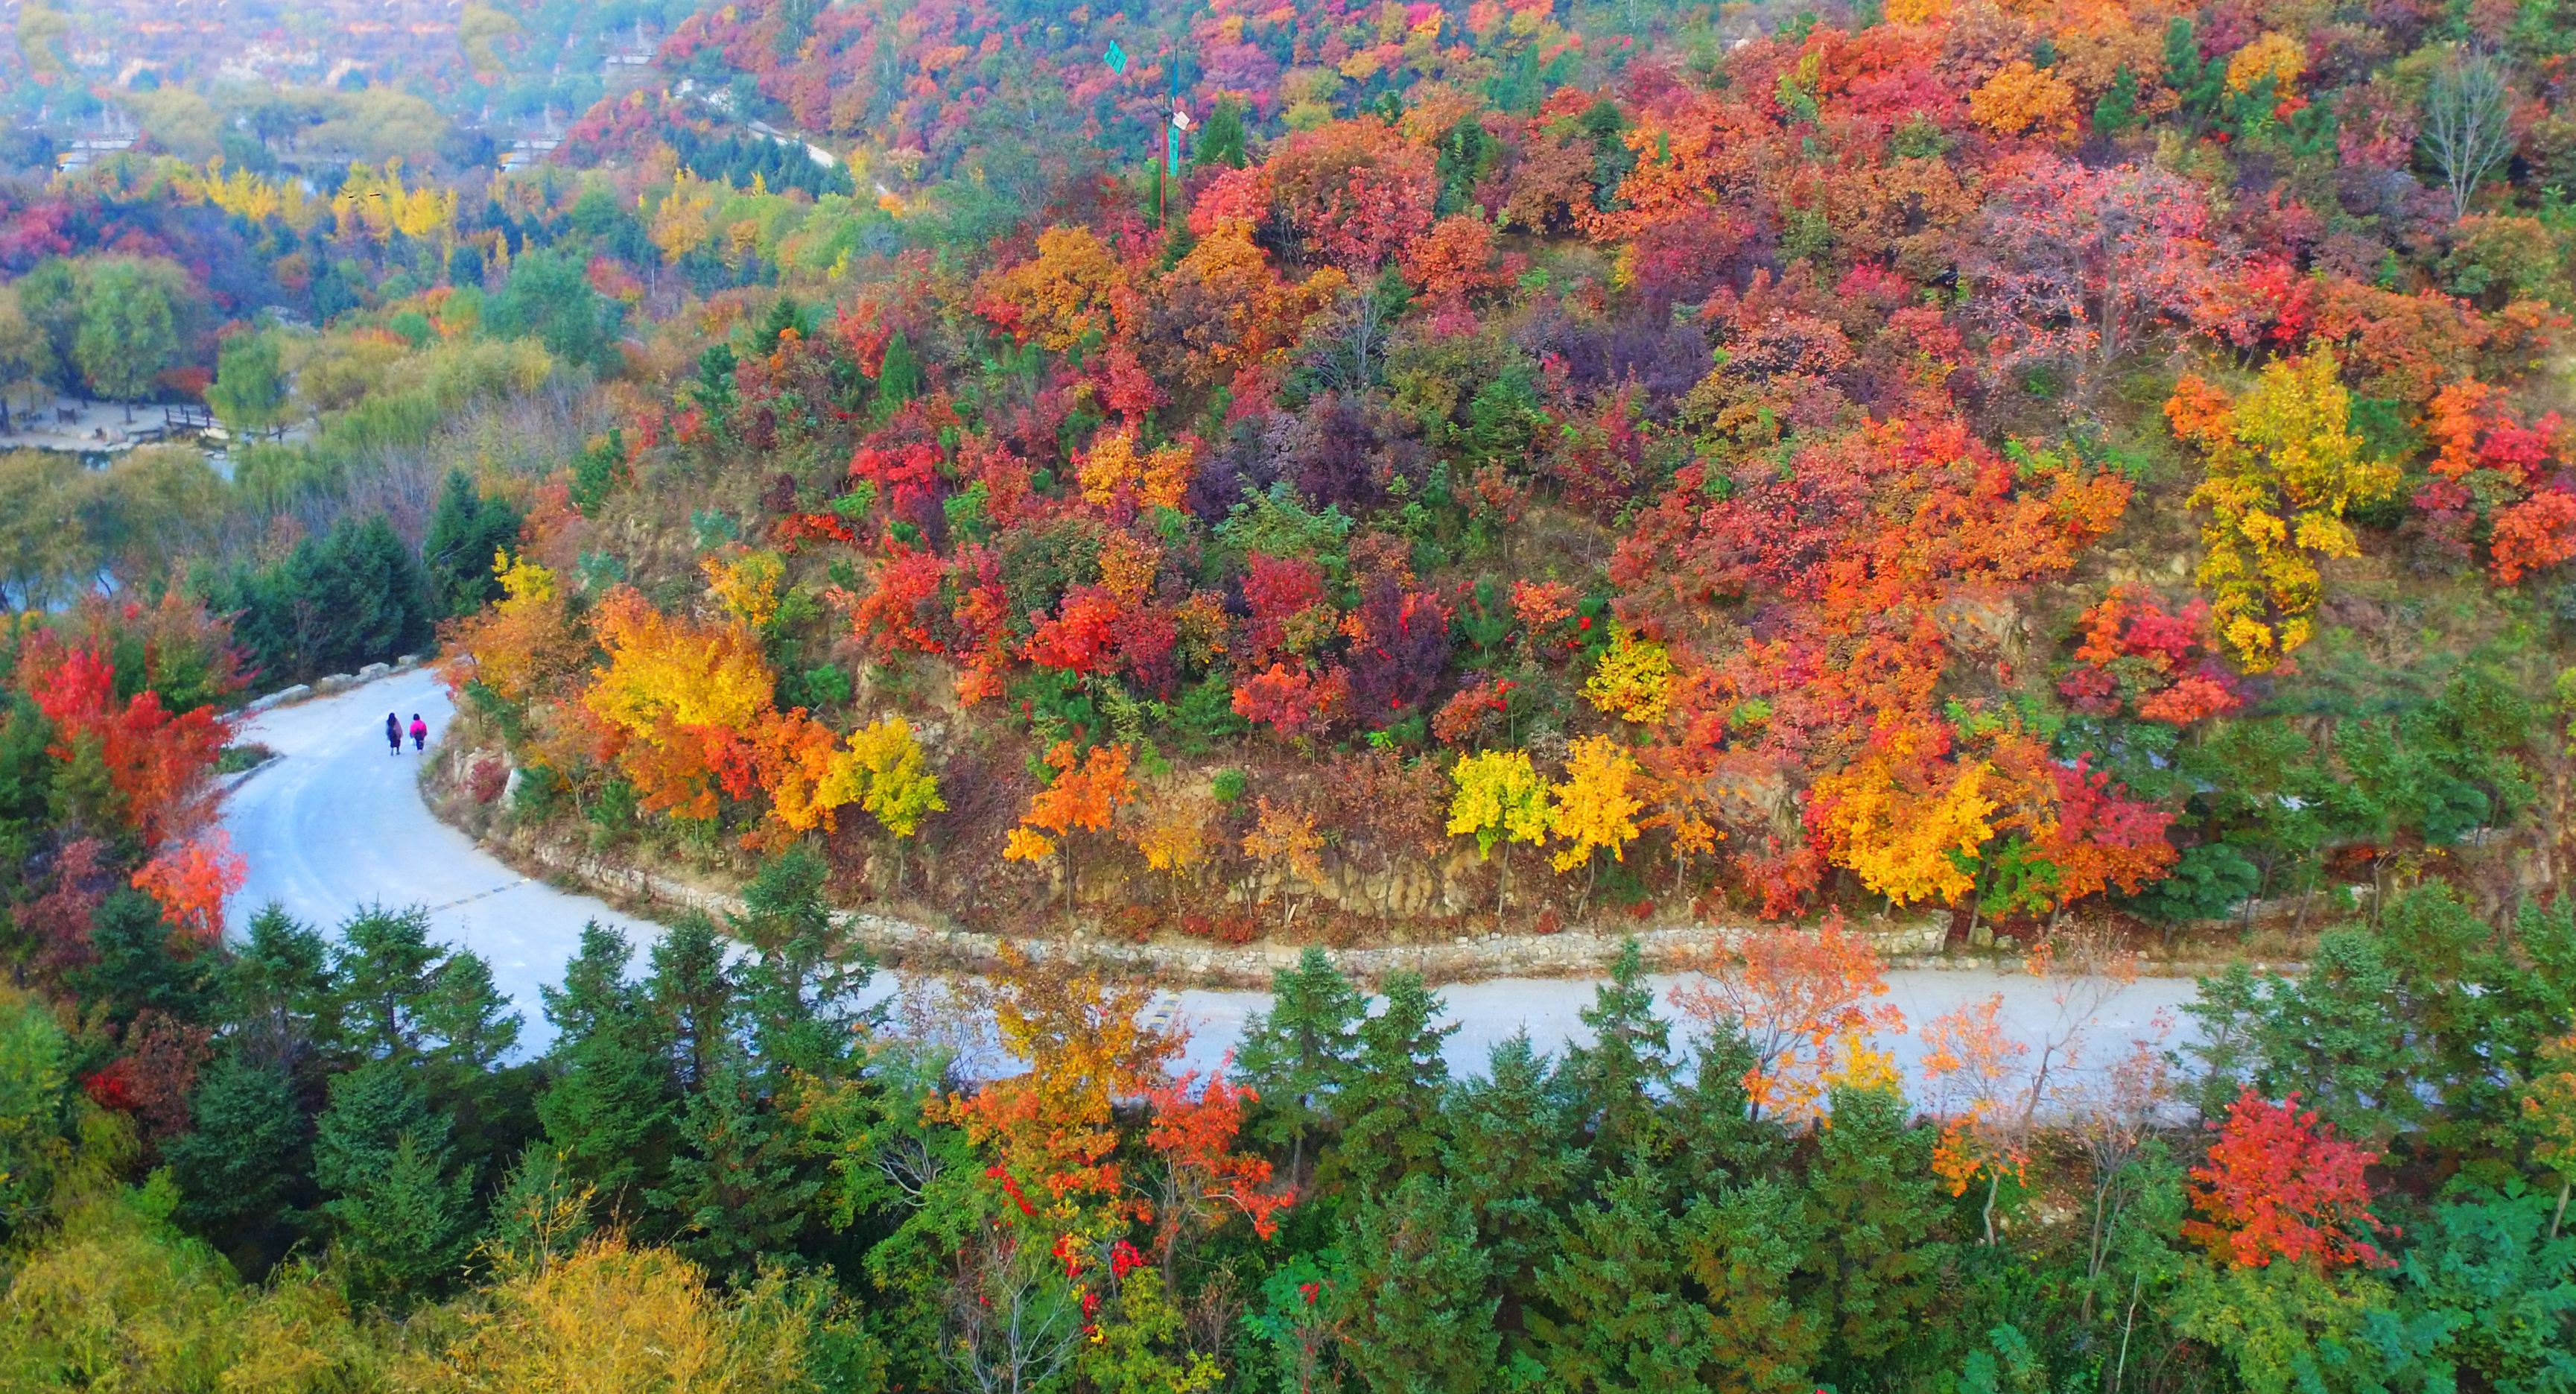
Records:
x=419, y=732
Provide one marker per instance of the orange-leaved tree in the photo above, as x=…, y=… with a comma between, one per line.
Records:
x=1170, y=829
x=191, y=881
x=526, y=644
x=2278, y=1185
x=1904, y=826
x=1200, y=1179
x=681, y=702
x=1801, y=999
x=156, y=762
x=1087, y=793
x=1975, y=1073
x=1052, y=1130
x=1285, y=840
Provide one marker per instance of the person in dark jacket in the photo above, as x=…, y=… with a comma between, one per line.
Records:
x=393, y=732
x=419, y=732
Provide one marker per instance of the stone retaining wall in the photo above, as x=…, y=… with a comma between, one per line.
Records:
x=904, y=943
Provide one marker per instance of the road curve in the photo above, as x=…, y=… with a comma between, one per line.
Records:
x=337, y=822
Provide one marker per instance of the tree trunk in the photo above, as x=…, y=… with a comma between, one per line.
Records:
x=2121, y=1367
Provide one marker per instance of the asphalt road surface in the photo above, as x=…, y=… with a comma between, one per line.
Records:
x=337, y=822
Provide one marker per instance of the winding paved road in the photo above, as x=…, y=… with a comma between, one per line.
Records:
x=336, y=822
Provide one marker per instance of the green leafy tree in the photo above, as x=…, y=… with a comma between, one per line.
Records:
x=129, y=327
x=249, y=391
x=27, y=363
x=2487, y=1270
x=49, y=295
x=548, y=298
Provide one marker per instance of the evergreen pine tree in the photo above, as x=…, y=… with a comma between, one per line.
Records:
x=407, y=1229
x=1220, y=141
x=694, y=997
x=404, y=996
x=1611, y=1082
x=736, y=1192
x=898, y=374
x=1512, y=1153
x=1615, y=1312
x=1878, y=1214
x=243, y=1164
x=1744, y=1251
x=543, y=1211
x=1416, y=1315
x=138, y=967
x=401, y=1209
x=1298, y=1055
x=607, y=1111
x=2117, y=110
x=803, y=987
x=277, y=991
x=1391, y=1109
x=466, y=531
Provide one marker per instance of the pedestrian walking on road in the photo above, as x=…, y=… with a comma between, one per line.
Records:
x=419, y=732
x=393, y=732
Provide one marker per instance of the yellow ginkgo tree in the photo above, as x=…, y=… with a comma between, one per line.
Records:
x=1497, y=799
x=1909, y=830
x=2283, y=468
x=1594, y=809
x=1633, y=680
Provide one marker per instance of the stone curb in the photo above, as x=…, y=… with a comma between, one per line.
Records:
x=330, y=686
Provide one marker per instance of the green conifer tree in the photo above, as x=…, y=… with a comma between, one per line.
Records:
x=1391, y=1109
x=1298, y=1055
x=739, y=1185
x=1416, y=1313
x=244, y=1162
x=693, y=994
x=1879, y=1217
x=608, y=1107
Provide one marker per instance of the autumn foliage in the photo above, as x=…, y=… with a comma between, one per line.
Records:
x=2280, y=1186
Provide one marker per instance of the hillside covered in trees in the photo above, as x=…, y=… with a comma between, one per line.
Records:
x=1997, y=461
x=2091, y=474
